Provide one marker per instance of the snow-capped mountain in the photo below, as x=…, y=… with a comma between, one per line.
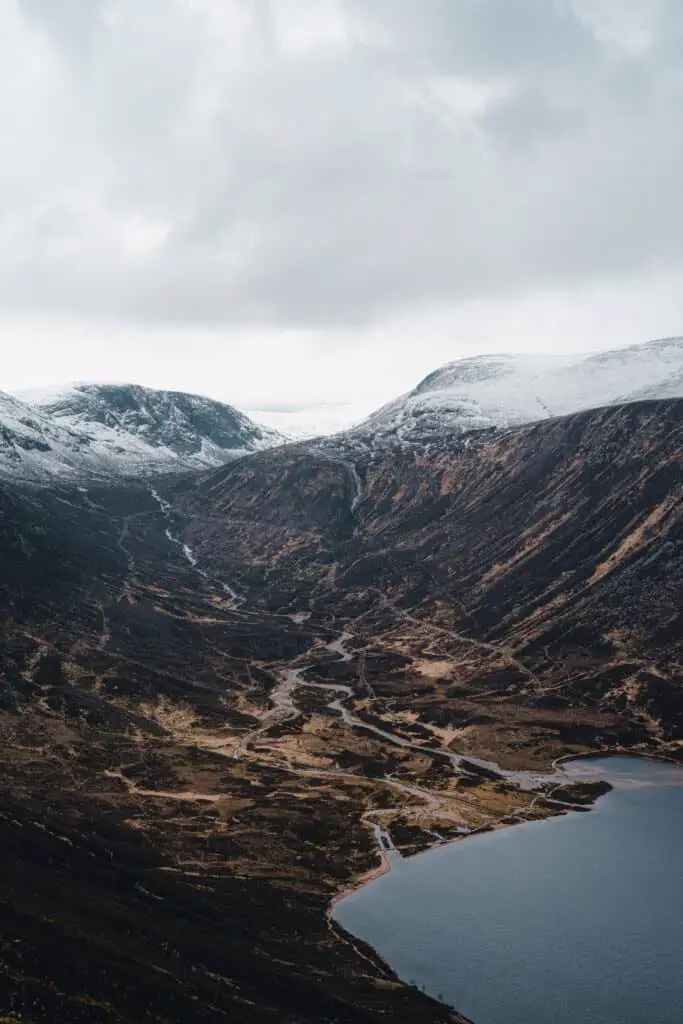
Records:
x=32, y=446
x=121, y=430
x=504, y=390
x=105, y=430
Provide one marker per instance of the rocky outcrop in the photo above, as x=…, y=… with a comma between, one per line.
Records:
x=109, y=432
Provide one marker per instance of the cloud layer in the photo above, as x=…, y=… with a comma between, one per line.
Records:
x=333, y=163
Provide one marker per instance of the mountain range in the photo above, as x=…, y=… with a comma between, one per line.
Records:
x=234, y=673
x=505, y=390
x=105, y=431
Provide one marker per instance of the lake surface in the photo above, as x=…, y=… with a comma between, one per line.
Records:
x=578, y=918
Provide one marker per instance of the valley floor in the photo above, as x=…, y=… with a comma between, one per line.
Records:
x=192, y=775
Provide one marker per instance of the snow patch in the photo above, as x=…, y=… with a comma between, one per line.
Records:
x=97, y=431
x=507, y=390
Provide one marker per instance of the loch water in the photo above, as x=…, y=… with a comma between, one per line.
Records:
x=576, y=918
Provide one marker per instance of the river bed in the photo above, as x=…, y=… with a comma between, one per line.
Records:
x=576, y=918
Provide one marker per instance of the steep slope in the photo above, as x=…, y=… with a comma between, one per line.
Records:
x=504, y=390
x=555, y=552
x=34, y=447
x=192, y=770
x=93, y=430
x=145, y=873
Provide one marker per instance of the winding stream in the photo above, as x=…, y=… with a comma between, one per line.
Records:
x=574, y=918
x=189, y=555
x=284, y=709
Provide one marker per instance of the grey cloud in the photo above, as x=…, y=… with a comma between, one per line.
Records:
x=72, y=24
x=201, y=169
x=529, y=116
x=489, y=37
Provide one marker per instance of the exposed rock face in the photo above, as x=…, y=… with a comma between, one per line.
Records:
x=188, y=425
x=32, y=446
x=98, y=431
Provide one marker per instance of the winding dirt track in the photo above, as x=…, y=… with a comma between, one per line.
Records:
x=284, y=709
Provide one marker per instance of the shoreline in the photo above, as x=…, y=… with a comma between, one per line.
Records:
x=612, y=781
x=385, y=865
x=593, y=754
x=383, y=868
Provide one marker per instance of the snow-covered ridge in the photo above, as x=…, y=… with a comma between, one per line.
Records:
x=505, y=390
x=111, y=431
x=119, y=430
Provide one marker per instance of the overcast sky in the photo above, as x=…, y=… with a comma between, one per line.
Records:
x=283, y=203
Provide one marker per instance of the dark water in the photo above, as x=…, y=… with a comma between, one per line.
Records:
x=575, y=919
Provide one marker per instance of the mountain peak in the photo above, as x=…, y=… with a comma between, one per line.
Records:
x=507, y=389
x=186, y=424
x=106, y=430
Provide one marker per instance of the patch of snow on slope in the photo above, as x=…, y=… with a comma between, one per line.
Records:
x=506, y=390
x=103, y=431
